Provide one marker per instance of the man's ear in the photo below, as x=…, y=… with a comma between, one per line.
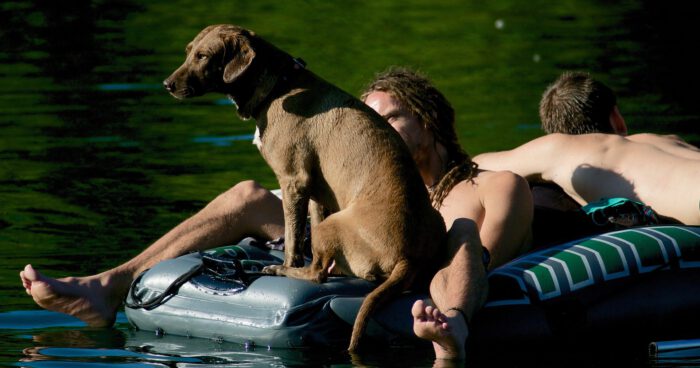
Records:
x=243, y=56
x=617, y=122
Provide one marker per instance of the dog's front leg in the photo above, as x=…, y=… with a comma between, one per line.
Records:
x=295, y=202
x=316, y=213
x=295, y=205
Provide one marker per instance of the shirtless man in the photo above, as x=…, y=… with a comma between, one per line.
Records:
x=660, y=171
x=578, y=104
x=479, y=207
x=592, y=166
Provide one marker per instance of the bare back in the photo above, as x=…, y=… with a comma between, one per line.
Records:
x=669, y=143
x=592, y=166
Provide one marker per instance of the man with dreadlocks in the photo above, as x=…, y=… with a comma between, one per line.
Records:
x=480, y=208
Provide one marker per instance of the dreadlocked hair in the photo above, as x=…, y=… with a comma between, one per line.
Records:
x=415, y=93
x=459, y=172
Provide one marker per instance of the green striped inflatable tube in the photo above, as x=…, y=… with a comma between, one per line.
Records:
x=561, y=270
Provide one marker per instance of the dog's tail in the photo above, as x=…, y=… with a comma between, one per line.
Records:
x=399, y=280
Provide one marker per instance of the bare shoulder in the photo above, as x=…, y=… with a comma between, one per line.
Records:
x=463, y=201
x=490, y=185
x=499, y=178
x=488, y=189
x=657, y=139
x=566, y=147
x=669, y=144
x=583, y=140
x=550, y=141
x=500, y=182
x=484, y=186
x=650, y=137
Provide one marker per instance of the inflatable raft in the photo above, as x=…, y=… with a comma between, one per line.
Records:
x=641, y=282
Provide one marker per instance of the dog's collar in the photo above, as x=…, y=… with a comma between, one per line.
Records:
x=243, y=101
x=299, y=63
x=281, y=85
x=296, y=65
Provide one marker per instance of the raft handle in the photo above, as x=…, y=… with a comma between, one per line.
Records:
x=158, y=300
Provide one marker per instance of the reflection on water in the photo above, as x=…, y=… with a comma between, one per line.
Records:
x=63, y=341
x=23, y=320
x=97, y=161
x=56, y=340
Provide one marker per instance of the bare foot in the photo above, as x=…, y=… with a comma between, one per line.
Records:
x=447, y=332
x=87, y=298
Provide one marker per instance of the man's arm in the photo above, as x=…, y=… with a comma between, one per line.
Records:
x=531, y=160
x=500, y=204
x=506, y=229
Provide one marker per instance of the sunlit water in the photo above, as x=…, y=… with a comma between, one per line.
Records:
x=97, y=161
x=47, y=339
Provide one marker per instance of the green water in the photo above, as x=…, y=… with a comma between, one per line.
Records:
x=97, y=160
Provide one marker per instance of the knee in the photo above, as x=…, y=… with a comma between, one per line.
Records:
x=246, y=191
x=242, y=195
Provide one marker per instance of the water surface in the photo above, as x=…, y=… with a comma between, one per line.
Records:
x=97, y=161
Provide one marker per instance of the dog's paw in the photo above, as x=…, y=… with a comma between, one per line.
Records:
x=273, y=270
x=297, y=261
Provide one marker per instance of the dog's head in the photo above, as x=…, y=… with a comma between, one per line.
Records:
x=231, y=60
x=218, y=56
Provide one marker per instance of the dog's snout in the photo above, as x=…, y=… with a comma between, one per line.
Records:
x=169, y=85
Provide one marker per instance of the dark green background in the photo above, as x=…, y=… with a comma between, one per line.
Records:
x=97, y=160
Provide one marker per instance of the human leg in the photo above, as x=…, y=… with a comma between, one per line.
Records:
x=246, y=209
x=457, y=291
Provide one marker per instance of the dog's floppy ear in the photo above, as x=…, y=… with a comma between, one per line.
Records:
x=243, y=55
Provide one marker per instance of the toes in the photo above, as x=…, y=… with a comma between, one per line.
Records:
x=418, y=309
x=26, y=283
x=436, y=314
x=29, y=273
x=430, y=312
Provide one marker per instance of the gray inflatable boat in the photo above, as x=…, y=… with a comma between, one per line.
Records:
x=642, y=283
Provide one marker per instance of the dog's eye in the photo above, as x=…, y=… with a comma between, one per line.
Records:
x=201, y=57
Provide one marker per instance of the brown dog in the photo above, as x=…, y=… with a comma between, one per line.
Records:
x=326, y=146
